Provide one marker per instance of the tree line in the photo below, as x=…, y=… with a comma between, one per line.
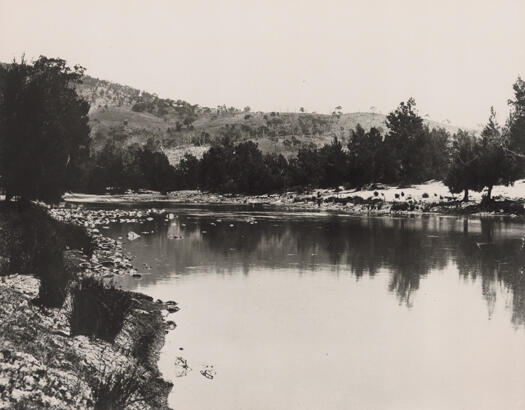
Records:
x=45, y=149
x=408, y=153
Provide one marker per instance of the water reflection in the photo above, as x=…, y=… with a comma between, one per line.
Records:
x=495, y=258
x=222, y=242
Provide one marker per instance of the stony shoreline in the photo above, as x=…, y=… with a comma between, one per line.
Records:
x=43, y=365
x=429, y=198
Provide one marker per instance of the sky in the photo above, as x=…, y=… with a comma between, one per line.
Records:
x=456, y=58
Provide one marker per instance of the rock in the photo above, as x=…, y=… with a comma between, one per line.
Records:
x=29, y=380
x=4, y=382
x=18, y=394
x=132, y=236
x=107, y=262
x=208, y=372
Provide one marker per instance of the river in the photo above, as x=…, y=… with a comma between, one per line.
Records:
x=286, y=310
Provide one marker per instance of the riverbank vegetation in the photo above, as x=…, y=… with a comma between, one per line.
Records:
x=409, y=153
x=42, y=96
x=67, y=336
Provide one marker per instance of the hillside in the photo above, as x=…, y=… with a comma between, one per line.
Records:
x=132, y=116
x=128, y=116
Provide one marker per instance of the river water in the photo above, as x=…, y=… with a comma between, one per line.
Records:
x=318, y=311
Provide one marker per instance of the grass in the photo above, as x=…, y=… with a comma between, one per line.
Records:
x=118, y=389
x=97, y=310
x=143, y=345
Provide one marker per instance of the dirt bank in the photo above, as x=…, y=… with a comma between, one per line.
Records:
x=44, y=365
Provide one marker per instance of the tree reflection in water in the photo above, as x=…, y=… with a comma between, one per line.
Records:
x=490, y=250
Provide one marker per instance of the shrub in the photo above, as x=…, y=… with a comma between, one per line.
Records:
x=400, y=206
x=143, y=345
x=97, y=310
x=119, y=389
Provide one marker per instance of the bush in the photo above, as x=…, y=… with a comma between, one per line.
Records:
x=400, y=206
x=118, y=389
x=97, y=310
x=143, y=345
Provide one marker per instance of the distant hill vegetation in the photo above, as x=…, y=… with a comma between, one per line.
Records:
x=128, y=116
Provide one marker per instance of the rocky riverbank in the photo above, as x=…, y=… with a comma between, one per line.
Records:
x=44, y=365
x=430, y=197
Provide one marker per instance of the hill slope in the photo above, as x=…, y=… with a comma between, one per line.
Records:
x=127, y=115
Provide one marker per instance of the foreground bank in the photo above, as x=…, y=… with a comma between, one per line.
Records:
x=68, y=337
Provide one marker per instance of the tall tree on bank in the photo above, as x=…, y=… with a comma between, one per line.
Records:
x=462, y=174
x=44, y=131
x=482, y=162
x=496, y=165
x=334, y=162
x=516, y=125
x=365, y=162
x=406, y=137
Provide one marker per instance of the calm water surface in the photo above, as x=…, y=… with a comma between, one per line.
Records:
x=313, y=311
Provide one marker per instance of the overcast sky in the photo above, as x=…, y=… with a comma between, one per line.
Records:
x=456, y=58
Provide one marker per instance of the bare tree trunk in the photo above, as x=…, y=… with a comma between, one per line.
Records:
x=465, y=196
x=489, y=192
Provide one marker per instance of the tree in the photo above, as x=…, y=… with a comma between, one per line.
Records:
x=334, y=164
x=44, y=131
x=248, y=168
x=215, y=166
x=154, y=166
x=306, y=169
x=187, y=173
x=277, y=173
x=462, y=174
x=365, y=164
x=436, y=153
x=407, y=138
x=516, y=124
x=496, y=165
